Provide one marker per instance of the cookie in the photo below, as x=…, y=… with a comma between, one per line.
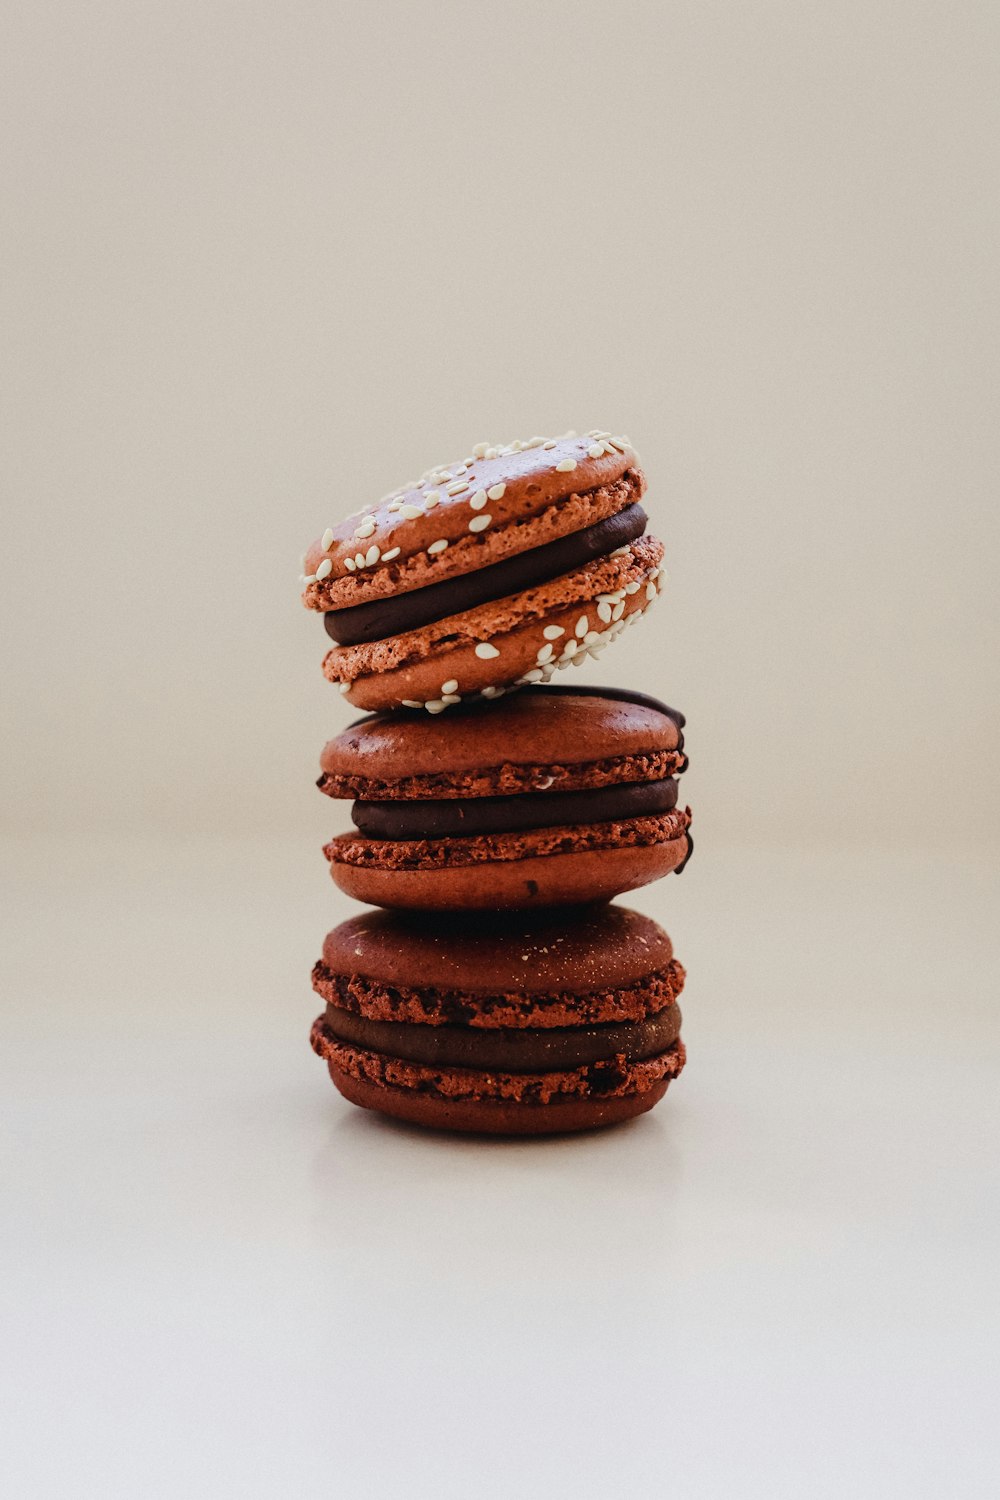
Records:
x=493, y=570
x=555, y=796
x=529, y=1025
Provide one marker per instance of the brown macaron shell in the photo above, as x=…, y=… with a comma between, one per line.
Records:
x=539, y=493
x=412, y=669
x=496, y=1103
x=493, y=1116
x=564, y=741
x=606, y=964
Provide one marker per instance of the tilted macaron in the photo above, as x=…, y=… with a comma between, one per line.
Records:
x=526, y=1026
x=493, y=570
x=556, y=795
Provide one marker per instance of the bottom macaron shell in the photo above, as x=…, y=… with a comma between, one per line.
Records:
x=492, y=1116
x=606, y=864
x=549, y=880
x=499, y=1103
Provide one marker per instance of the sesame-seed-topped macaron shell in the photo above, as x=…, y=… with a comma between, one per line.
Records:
x=493, y=504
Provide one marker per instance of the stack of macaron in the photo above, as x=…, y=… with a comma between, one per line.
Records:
x=495, y=813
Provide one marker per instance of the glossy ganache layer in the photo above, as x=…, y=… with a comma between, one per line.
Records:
x=424, y=818
x=380, y=618
x=514, y=1050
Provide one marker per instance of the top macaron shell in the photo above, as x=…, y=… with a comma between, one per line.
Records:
x=463, y=516
x=545, y=739
x=609, y=948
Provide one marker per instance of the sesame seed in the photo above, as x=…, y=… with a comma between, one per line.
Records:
x=388, y=556
x=479, y=450
x=325, y=568
x=565, y=465
x=618, y=611
x=431, y=498
x=535, y=442
x=535, y=675
x=650, y=590
x=544, y=653
x=345, y=687
x=436, y=706
x=571, y=647
x=438, y=546
x=550, y=444
x=309, y=578
x=492, y=692
x=396, y=505
x=486, y=651
x=620, y=552
x=596, y=450
x=478, y=500
x=366, y=528
x=604, y=612
x=553, y=632
x=412, y=703
x=632, y=588
x=443, y=474
x=496, y=491
x=372, y=556
x=451, y=686
x=458, y=487
x=411, y=512
x=350, y=564
x=359, y=559
x=452, y=698
x=582, y=626
x=542, y=785
x=480, y=523
x=492, y=453
x=327, y=541
x=591, y=637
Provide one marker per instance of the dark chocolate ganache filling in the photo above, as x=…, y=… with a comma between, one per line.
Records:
x=433, y=819
x=508, y=1050
x=384, y=617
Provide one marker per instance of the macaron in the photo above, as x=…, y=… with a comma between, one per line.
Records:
x=554, y=796
x=543, y=1023
x=492, y=570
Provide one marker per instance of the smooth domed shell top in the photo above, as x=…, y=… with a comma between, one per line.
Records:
x=492, y=504
x=604, y=947
x=537, y=726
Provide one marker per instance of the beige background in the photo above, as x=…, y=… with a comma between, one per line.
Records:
x=263, y=261
x=260, y=262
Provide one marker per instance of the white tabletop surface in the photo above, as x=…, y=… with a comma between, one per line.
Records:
x=220, y=1280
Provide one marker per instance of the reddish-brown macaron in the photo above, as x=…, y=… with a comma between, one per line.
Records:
x=545, y=1022
x=553, y=797
x=493, y=570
